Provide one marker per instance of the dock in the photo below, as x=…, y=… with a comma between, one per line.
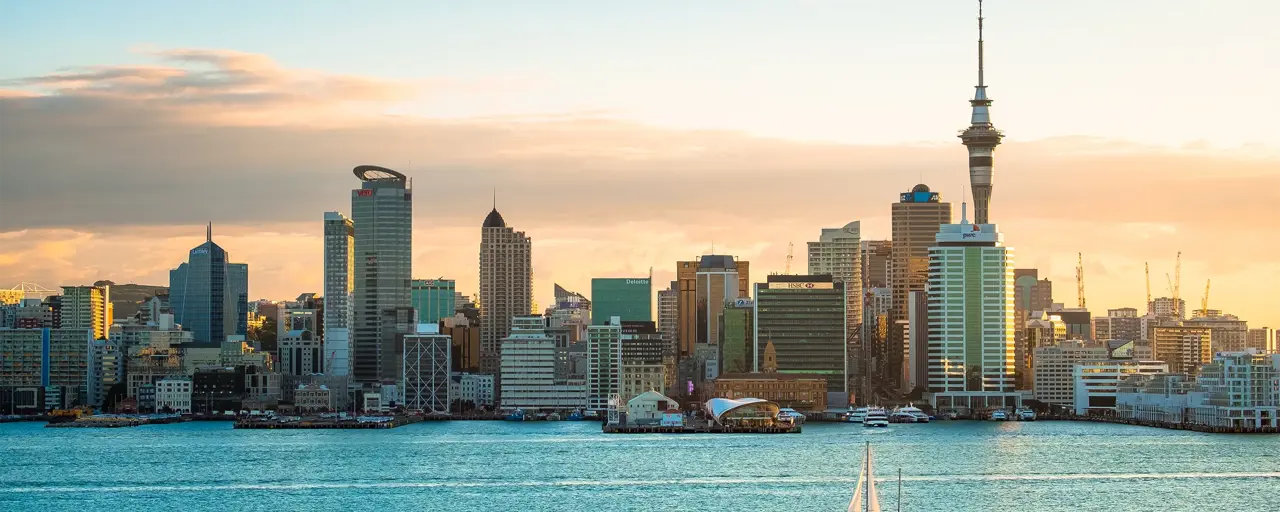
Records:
x=314, y=424
x=697, y=429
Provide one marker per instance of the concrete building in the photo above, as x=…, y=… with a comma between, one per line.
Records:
x=472, y=387
x=465, y=348
x=427, y=370
x=838, y=253
x=628, y=298
x=1262, y=339
x=313, y=398
x=1184, y=348
x=87, y=307
x=648, y=408
x=527, y=375
x=302, y=314
x=339, y=284
x=434, y=299
x=1236, y=390
x=604, y=364
x=877, y=261
x=1119, y=324
x=206, y=294
x=107, y=362
x=1096, y=382
x=1228, y=333
x=1053, y=370
x=668, y=322
x=704, y=287
x=803, y=316
x=47, y=358
x=506, y=285
x=972, y=347
x=382, y=215
x=797, y=391
x=917, y=342
x=1039, y=330
x=173, y=394
x=1165, y=307
x=642, y=365
x=916, y=218
x=1030, y=293
x=1079, y=321
x=300, y=353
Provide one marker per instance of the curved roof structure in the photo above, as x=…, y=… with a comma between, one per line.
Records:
x=376, y=173
x=494, y=220
x=719, y=407
x=920, y=188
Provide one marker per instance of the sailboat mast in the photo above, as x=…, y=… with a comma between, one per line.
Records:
x=866, y=461
x=899, y=489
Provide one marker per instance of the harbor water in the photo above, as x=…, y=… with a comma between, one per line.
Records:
x=553, y=466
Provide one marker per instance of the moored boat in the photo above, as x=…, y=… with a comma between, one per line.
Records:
x=915, y=412
x=516, y=415
x=876, y=417
x=1025, y=415
x=793, y=414
x=856, y=415
x=999, y=415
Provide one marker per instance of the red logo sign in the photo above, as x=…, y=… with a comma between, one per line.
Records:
x=365, y=193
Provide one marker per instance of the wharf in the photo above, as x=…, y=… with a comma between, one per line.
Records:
x=1194, y=427
x=697, y=429
x=312, y=424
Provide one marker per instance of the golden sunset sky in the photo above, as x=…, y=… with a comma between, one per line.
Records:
x=625, y=135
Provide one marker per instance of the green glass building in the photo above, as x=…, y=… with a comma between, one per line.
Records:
x=803, y=315
x=433, y=299
x=737, y=339
x=628, y=298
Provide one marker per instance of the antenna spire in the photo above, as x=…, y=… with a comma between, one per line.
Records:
x=980, y=81
x=208, y=232
x=495, y=198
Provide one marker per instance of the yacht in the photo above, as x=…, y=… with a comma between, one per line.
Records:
x=795, y=415
x=1025, y=415
x=920, y=416
x=865, y=497
x=856, y=415
x=900, y=416
x=999, y=415
x=876, y=417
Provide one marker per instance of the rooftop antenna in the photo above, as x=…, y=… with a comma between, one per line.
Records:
x=980, y=82
x=495, y=198
x=208, y=232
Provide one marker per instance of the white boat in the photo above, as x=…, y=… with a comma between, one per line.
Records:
x=1025, y=415
x=795, y=415
x=857, y=415
x=915, y=412
x=900, y=416
x=999, y=415
x=865, y=497
x=876, y=417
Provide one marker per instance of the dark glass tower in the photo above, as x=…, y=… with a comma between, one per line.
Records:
x=208, y=295
x=382, y=215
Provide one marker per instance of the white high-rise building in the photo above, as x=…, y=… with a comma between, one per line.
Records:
x=339, y=281
x=528, y=372
x=971, y=321
x=604, y=364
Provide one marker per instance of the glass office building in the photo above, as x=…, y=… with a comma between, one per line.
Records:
x=433, y=299
x=629, y=299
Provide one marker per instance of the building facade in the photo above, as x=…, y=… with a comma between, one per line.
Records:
x=1097, y=382
x=339, y=284
x=173, y=395
x=628, y=298
x=301, y=353
x=604, y=364
x=803, y=316
x=838, y=253
x=916, y=220
x=47, y=358
x=737, y=342
x=1053, y=370
x=506, y=285
x=799, y=392
x=427, y=370
x=971, y=325
x=704, y=286
x=434, y=299
x=473, y=387
x=642, y=367
x=1184, y=348
x=527, y=375
x=204, y=294
x=382, y=215
x=87, y=307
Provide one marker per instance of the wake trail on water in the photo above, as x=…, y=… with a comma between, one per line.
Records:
x=627, y=483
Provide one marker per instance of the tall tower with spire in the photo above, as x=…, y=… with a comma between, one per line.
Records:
x=981, y=137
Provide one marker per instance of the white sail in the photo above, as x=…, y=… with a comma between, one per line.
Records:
x=873, y=498
x=855, y=505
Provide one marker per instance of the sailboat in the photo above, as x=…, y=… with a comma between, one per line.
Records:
x=865, y=497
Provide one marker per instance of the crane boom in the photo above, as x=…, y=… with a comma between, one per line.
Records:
x=1177, y=286
x=1204, y=302
x=1147, y=268
x=1080, y=279
x=790, y=249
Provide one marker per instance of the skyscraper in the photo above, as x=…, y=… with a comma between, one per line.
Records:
x=87, y=307
x=876, y=257
x=705, y=285
x=981, y=138
x=506, y=285
x=204, y=293
x=838, y=253
x=382, y=215
x=803, y=318
x=971, y=325
x=339, y=282
x=916, y=217
x=434, y=299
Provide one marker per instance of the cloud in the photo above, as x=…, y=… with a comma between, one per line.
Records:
x=111, y=171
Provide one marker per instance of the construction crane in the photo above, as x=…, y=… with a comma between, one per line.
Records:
x=790, y=249
x=1204, y=301
x=1147, y=267
x=1080, y=279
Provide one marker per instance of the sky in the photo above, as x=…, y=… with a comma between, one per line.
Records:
x=625, y=136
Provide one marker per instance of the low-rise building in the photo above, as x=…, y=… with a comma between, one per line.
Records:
x=1053, y=368
x=1236, y=390
x=473, y=388
x=312, y=398
x=173, y=395
x=796, y=391
x=1096, y=382
x=648, y=408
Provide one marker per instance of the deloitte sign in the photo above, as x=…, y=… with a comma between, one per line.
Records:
x=637, y=281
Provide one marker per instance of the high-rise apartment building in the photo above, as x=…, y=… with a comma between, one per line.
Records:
x=206, y=292
x=528, y=372
x=1230, y=334
x=1262, y=339
x=604, y=364
x=643, y=368
x=506, y=286
x=628, y=298
x=1166, y=308
x=1119, y=324
x=433, y=299
x=838, y=253
x=1051, y=373
x=382, y=215
x=87, y=307
x=1184, y=348
x=704, y=287
x=669, y=313
x=339, y=284
x=877, y=262
x=803, y=316
x=916, y=219
x=47, y=357
x=1030, y=293
x=971, y=324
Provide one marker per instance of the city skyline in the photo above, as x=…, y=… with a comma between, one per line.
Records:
x=1066, y=186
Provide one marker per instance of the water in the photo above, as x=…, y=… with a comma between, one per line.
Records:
x=536, y=466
